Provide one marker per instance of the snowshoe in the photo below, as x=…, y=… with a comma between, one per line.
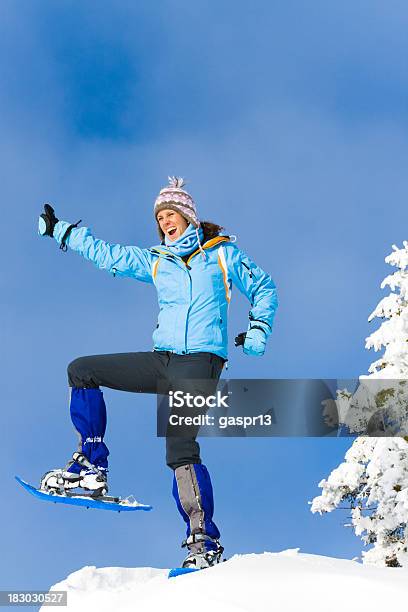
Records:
x=90, y=478
x=203, y=551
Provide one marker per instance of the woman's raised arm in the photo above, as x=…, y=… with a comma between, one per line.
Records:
x=119, y=260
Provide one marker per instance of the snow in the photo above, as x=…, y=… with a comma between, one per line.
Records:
x=285, y=581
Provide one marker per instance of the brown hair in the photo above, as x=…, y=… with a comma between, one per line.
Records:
x=211, y=230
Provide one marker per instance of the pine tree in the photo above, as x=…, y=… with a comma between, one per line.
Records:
x=373, y=479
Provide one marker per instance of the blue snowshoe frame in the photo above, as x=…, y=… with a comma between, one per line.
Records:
x=87, y=502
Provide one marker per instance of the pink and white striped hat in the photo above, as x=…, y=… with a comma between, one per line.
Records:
x=176, y=198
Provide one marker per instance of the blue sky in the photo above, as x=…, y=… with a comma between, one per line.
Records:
x=289, y=121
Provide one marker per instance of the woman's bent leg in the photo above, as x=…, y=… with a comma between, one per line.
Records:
x=134, y=372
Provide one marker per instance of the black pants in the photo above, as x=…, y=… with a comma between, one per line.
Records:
x=150, y=372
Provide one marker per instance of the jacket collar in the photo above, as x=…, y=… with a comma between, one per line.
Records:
x=161, y=249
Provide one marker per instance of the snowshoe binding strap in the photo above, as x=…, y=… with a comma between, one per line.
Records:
x=203, y=560
x=195, y=538
x=84, y=462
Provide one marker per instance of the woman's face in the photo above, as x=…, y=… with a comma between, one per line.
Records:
x=172, y=224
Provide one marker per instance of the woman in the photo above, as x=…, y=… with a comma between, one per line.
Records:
x=193, y=269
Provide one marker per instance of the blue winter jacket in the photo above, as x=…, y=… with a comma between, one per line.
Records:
x=193, y=296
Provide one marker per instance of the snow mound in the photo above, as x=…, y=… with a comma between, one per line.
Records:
x=285, y=580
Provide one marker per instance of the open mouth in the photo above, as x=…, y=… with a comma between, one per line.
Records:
x=172, y=231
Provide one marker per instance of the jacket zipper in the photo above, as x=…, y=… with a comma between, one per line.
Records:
x=185, y=267
x=189, y=307
x=249, y=269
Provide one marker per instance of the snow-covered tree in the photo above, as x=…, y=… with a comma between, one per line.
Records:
x=373, y=479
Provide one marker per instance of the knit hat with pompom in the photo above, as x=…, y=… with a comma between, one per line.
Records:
x=176, y=198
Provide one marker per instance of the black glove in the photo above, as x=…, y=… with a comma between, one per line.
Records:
x=240, y=339
x=47, y=221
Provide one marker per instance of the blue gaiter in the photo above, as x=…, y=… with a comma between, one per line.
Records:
x=88, y=414
x=193, y=492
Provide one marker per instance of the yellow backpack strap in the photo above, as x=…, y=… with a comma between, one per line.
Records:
x=154, y=268
x=222, y=262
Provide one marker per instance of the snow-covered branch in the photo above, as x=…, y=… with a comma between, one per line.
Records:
x=373, y=478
